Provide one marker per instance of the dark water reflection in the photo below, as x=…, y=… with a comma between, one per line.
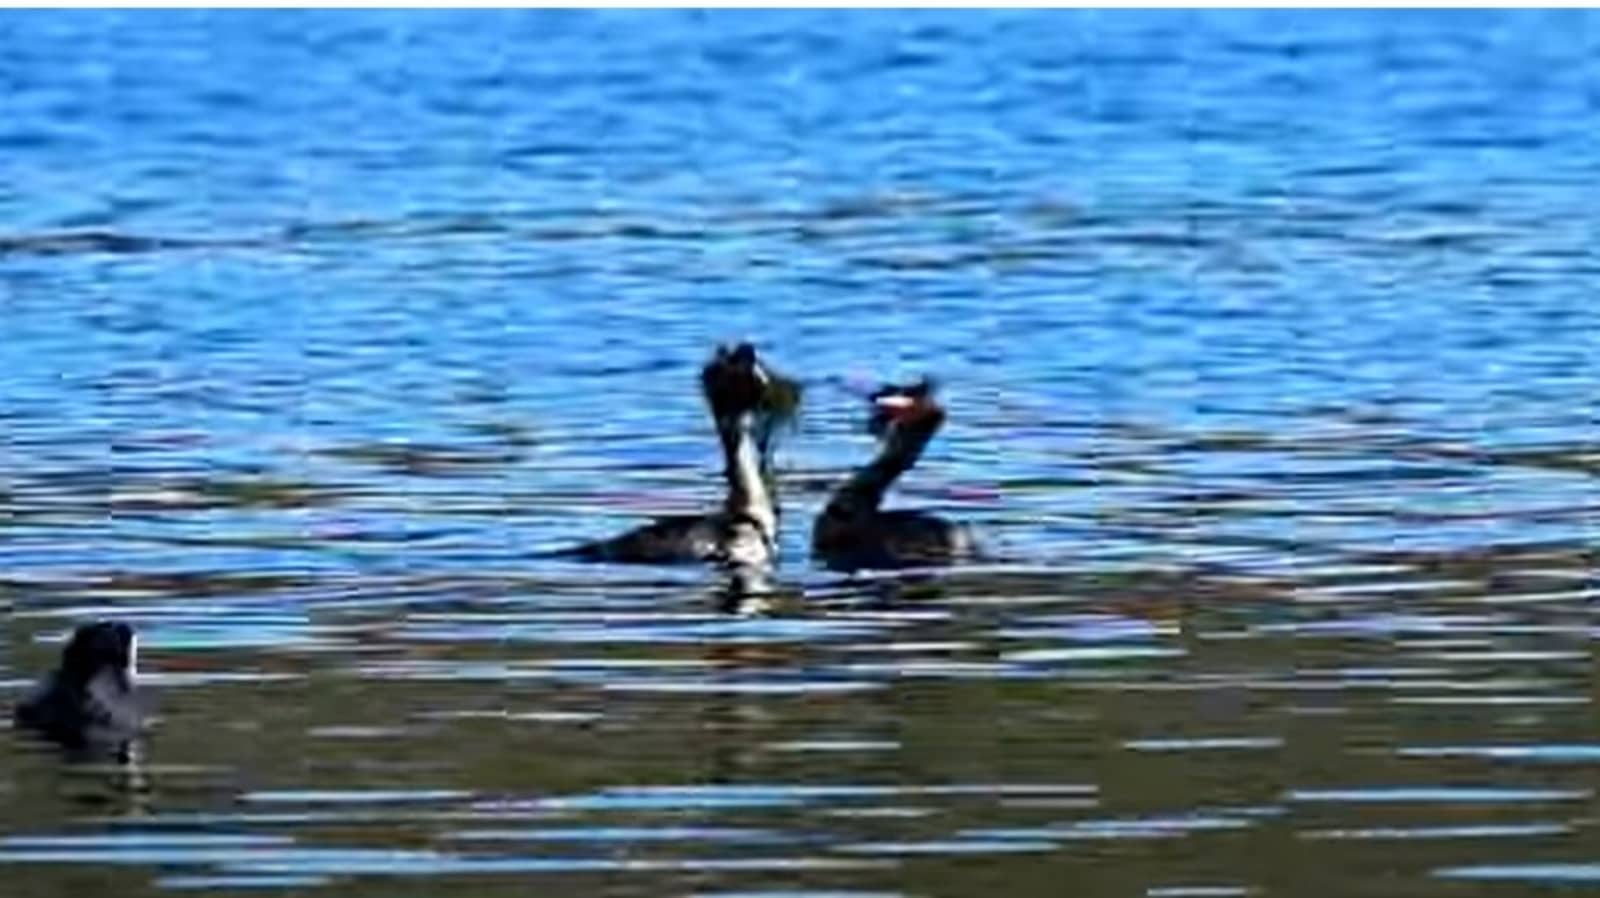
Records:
x=1271, y=392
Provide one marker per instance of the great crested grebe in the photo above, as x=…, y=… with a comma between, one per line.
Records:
x=852, y=531
x=90, y=700
x=747, y=403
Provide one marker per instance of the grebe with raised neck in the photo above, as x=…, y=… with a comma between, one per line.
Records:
x=853, y=531
x=747, y=403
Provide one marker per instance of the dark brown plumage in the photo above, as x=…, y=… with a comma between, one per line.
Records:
x=853, y=532
x=747, y=402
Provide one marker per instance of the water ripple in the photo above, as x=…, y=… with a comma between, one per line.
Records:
x=1269, y=396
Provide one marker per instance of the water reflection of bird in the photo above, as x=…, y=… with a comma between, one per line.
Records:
x=747, y=403
x=90, y=702
x=852, y=531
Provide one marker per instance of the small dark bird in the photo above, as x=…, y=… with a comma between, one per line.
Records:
x=90, y=701
x=852, y=531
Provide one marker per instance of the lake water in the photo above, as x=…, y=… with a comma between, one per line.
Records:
x=1270, y=347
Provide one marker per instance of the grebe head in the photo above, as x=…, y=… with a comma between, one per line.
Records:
x=736, y=381
x=102, y=647
x=901, y=410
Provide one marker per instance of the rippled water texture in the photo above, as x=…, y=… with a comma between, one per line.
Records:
x=1270, y=348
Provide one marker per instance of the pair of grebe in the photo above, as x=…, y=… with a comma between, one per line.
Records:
x=90, y=702
x=852, y=532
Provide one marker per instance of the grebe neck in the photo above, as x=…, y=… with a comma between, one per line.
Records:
x=749, y=495
x=865, y=489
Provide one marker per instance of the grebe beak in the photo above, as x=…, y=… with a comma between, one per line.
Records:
x=895, y=403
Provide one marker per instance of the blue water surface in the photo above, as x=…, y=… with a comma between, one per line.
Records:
x=317, y=326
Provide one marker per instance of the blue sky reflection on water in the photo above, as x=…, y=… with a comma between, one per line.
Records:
x=1268, y=339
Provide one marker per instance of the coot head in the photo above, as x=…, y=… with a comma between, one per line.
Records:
x=104, y=646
